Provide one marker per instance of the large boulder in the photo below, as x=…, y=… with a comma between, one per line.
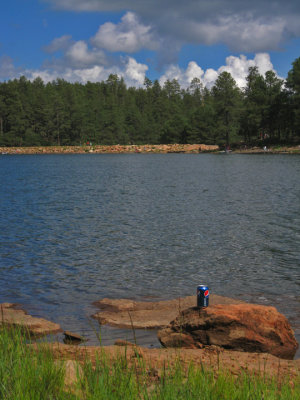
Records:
x=126, y=313
x=13, y=316
x=242, y=327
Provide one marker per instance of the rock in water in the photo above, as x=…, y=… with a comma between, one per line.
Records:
x=12, y=316
x=125, y=313
x=242, y=327
x=73, y=338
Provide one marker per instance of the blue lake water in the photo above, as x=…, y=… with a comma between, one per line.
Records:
x=77, y=228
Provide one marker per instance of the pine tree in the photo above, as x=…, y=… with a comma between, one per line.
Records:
x=227, y=101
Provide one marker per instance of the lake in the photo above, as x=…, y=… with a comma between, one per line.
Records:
x=77, y=228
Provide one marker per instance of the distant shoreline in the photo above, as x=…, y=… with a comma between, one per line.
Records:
x=160, y=149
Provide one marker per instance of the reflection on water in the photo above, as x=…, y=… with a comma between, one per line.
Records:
x=76, y=228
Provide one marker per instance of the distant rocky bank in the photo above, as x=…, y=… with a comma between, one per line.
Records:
x=158, y=148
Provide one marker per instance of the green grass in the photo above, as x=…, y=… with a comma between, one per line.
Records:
x=24, y=375
x=29, y=375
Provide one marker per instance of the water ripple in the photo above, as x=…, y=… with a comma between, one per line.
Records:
x=75, y=228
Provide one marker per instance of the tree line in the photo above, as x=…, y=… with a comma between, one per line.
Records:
x=34, y=113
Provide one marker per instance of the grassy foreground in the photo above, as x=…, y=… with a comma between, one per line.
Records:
x=32, y=375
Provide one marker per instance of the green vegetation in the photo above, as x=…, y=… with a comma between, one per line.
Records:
x=27, y=374
x=267, y=111
x=121, y=381
x=24, y=375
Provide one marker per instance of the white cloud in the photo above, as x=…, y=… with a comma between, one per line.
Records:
x=210, y=77
x=193, y=71
x=128, y=36
x=45, y=75
x=256, y=26
x=238, y=67
x=57, y=44
x=173, y=72
x=184, y=77
x=263, y=63
x=133, y=73
x=79, y=54
x=240, y=32
x=73, y=54
x=94, y=74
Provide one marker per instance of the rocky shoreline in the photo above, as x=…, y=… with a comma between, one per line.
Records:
x=158, y=149
x=225, y=319
x=227, y=323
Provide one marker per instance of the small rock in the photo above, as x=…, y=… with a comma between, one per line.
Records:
x=71, y=337
x=73, y=373
x=121, y=342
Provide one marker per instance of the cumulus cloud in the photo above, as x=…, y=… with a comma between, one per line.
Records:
x=238, y=67
x=94, y=74
x=184, y=77
x=133, y=73
x=128, y=36
x=74, y=54
x=78, y=54
x=256, y=26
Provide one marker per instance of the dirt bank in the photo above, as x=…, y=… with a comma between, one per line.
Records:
x=211, y=357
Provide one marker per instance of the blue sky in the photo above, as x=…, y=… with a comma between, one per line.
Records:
x=80, y=40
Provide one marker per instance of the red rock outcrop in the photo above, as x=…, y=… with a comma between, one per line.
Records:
x=12, y=316
x=242, y=327
x=125, y=313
